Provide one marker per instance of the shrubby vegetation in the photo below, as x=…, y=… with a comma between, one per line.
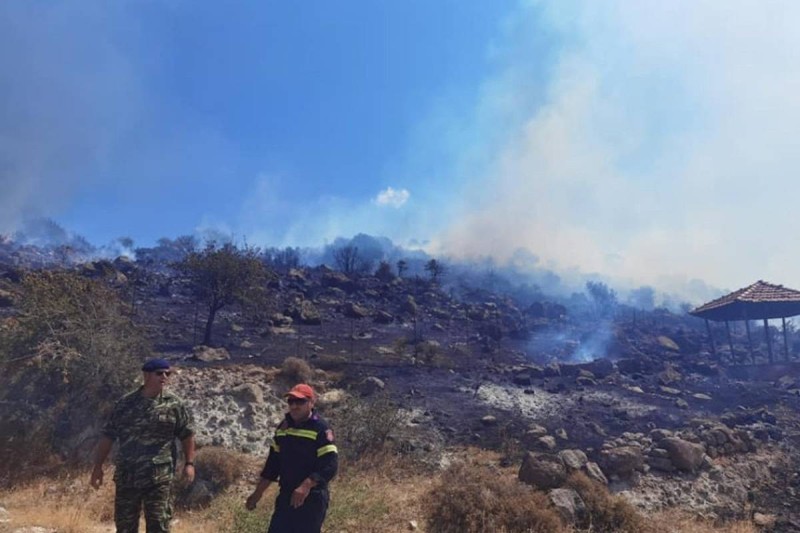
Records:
x=68, y=355
x=476, y=499
x=224, y=275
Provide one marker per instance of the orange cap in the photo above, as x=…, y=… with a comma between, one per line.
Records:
x=301, y=391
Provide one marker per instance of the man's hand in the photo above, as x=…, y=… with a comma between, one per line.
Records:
x=252, y=501
x=300, y=494
x=188, y=472
x=97, y=477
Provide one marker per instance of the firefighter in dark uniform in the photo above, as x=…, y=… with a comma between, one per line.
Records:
x=303, y=459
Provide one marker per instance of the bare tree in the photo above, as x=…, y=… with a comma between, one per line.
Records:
x=346, y=258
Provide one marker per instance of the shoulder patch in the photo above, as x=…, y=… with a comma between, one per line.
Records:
x=329, y=435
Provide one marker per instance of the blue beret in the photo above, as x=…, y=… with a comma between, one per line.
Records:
x=155, y=364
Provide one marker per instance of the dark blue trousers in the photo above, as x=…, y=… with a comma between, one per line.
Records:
x=307, y=518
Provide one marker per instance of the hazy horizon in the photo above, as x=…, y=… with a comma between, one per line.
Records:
x=648, y=143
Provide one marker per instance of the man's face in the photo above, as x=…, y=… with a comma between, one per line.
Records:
x=156, y=380
x=300, y=408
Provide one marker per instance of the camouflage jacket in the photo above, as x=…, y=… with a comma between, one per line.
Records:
x=146, y=429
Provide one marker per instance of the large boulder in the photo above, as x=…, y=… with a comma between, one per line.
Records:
x=622, y=461
x=573, y=459
x=306, y=313
x=685, y=455
x=543, y=471
x=353, y=310
x=339, y=281
x=569, y=505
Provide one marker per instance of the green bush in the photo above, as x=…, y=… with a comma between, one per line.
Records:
x=71, y=353
x=476, y=499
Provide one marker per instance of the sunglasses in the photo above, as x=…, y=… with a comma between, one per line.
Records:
x=167, y=373
x=297, y=401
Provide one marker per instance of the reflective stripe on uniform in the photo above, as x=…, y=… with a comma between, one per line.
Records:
x=291, y=432
x=330, y=448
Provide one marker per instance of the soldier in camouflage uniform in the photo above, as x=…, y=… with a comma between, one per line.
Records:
x=146, y=423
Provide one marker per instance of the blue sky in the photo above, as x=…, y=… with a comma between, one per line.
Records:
x=653, y=142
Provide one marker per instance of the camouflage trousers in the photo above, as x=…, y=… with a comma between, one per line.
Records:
x=155, y=499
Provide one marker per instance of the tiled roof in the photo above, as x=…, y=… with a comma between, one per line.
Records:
x=755, y=297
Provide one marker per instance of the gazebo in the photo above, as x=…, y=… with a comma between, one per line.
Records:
x=759, y=301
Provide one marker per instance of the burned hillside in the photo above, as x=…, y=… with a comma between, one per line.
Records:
x=636, y=399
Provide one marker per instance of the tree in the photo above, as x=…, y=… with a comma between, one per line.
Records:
x=282, y=260
x=346, y=258
x=69, y=353
x=603, y=298
x=435, y=269
x=402, y=267
x=224, y=275
x=384, y=272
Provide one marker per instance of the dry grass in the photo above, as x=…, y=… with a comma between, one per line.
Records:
x=606, y=513
x=675, y=520
x=470, y=498
x=379, y=494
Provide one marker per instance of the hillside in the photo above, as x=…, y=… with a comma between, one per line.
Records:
x=529, y=389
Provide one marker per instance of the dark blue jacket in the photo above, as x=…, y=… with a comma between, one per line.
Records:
x=300, y=451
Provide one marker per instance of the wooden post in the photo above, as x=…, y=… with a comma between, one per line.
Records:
x=711, y=338
x=749, y=341
x=769, y=340
x=785, y=340
x=730, y=339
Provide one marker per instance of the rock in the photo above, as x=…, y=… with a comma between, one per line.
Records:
x=622, y=461
x=352, y=310
x=542, y=471
x=536, y=430
x=522, y=379
x=248, y=393
x=764, y=520
x=660, y=434
x=669, y=344
x=573, y=459
x=208, y=354
x=680, y=403
x=5, y=516
x=594, y=472
x=669, y=376
x=370, y=386
x=338, y=280
x=306, y=313
x=701, y=396
x=489, y=420
x=546, y=443
x=382, y=317
x=280, y=320
x=6, y=299
x=685, y=455
x=412, y=525
x=568, y=504
x=331, y=398
x=661, y=463
x=197, y=495
x=600, y=368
